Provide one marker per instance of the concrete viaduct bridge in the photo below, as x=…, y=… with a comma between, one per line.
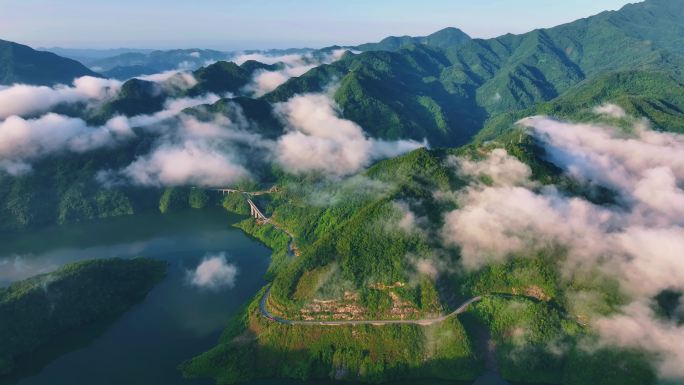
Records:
x=258, y=214
x=255, y=212
x=253, y=209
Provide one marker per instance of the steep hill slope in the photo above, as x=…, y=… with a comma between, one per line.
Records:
x=22, y=64
x=446, y=94
x=355, y=261
x=657, y=96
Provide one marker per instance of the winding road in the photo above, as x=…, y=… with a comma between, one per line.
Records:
x=422, y=322
x=264, y=299
x=291, y=252
x=254, y=210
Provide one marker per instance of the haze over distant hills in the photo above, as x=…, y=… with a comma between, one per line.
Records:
x=85, y=54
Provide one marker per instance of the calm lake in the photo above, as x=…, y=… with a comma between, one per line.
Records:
x=175, y=322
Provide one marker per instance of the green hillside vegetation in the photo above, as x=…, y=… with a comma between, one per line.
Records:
x=657, y=96
x=137, y=97
x=258, y=113
x=22, y=64
x=46, y=308
x=353, y=243
x=219, y=78
x=351, y=248
x=396, y=95
x=361, y=353
x=446, y=93
x=65, y=189
x=252, y=65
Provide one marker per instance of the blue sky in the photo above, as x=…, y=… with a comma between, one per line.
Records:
x=239, y=24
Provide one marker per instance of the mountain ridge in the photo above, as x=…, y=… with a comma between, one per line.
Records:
x=443, y=38
x=22, y=64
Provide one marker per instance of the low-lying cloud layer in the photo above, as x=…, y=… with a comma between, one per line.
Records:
x=24, y=100
x=172, y=80
x=25, y=140
x=187, y=151
x=265, y=81
x=610, y=110
x=216, y=153
x=195, y=153
x=319, y=140
x=639, y=240
x=214, y=273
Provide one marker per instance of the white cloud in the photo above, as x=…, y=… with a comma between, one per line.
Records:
x=408, y=221
x=610, y=110
x=190, y=163
x=172, y=107
x=637, y=326
x=495, y=222
x=503, y=169
x=179, y=79
x=191, y=152
x=214, y=273
x=24, y=100
x=609, y=156
x=427, y=267
x=265, y=81
x=319, y=140
x=289, y=59
x=25, y=140
x=639, y=241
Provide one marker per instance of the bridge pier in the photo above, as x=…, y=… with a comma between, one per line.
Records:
x=254, y=211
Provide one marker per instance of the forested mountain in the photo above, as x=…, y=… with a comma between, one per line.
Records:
x=376, y=242
x=22, y=64
x=351, y=263
x=447, y=92
x=445, y=95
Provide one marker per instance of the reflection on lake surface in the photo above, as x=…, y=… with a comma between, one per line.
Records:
x=175, y=322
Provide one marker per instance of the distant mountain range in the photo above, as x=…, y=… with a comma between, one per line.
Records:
x=445, y=38
x=85, y=54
